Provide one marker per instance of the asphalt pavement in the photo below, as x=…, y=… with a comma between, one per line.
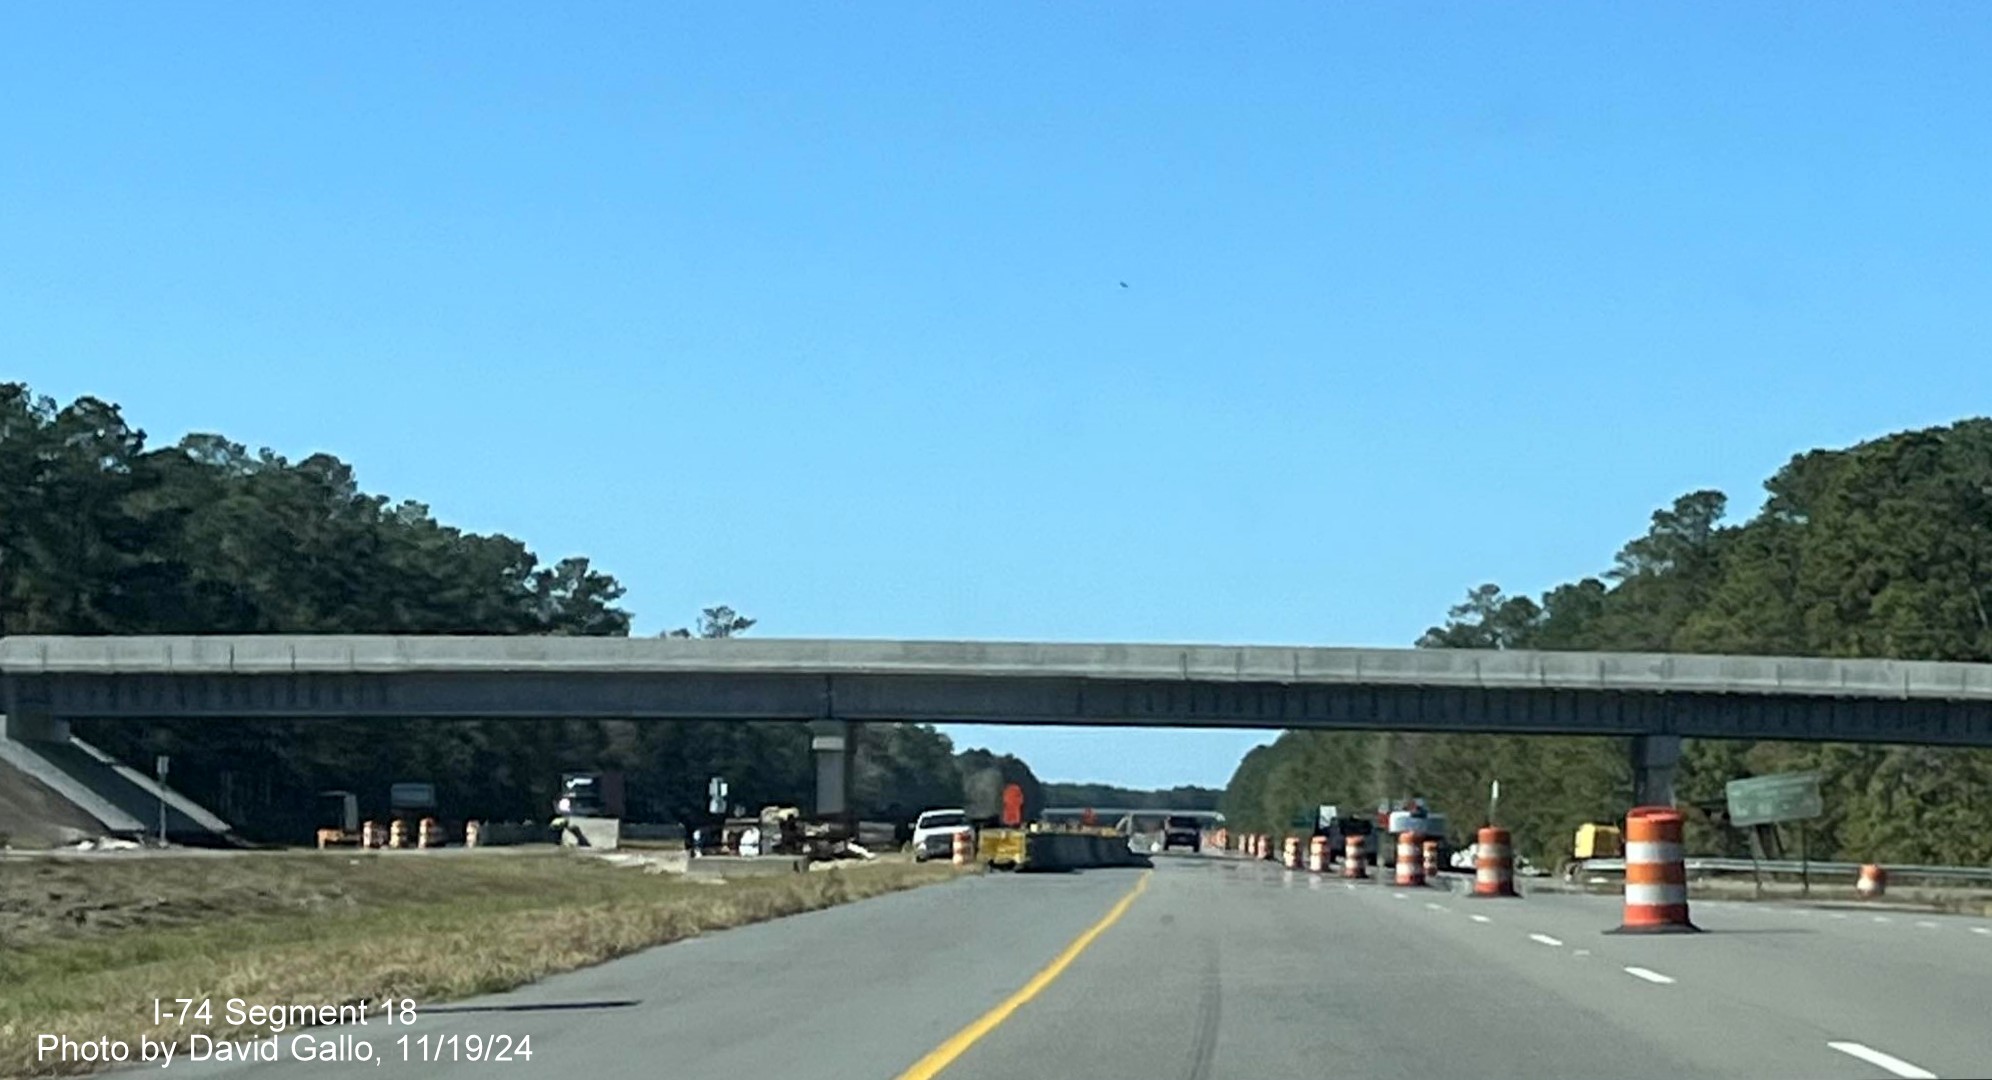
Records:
x=1222, y=968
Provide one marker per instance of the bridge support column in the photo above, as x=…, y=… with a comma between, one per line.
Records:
x=834, y=743
x=33, y=727
x=1653, y=760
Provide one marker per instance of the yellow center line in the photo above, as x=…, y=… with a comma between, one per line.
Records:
x=945, y=1054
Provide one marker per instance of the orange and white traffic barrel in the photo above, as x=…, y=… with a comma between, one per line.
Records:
x=1317, y=854
x=1354, y=863
x=472, y=834
x=1873, y=882
x=369, y=835
x=1493, y=864
x=964, y=848
x=1431, y=853
x=427, y=835
x=397, y=834
x=1290, y=853
x=1656, y=877
x=1410, y=859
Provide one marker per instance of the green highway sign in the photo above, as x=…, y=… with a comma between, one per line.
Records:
x=1767, y=800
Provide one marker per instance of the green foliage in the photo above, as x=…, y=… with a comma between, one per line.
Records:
x=1880, y=550
x=984, y=774
x=100, y=535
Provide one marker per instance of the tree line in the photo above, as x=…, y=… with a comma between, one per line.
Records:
x=1883, y=550
x=102, y=534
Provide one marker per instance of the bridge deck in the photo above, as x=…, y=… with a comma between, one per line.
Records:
x=1291, y=666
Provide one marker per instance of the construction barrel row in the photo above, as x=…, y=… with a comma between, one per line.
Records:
x=428, y=834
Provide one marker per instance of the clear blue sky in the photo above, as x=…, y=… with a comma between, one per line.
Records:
x=816, y=311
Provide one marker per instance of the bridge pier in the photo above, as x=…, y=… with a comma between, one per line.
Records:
x=834, y=744
x=1654, y=758
x=33, y=727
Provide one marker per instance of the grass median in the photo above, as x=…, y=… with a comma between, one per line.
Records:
x=87, y=945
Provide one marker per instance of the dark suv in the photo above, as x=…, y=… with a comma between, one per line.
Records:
x=1182, y=832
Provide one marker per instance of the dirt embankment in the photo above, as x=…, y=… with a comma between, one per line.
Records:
x=32, y=816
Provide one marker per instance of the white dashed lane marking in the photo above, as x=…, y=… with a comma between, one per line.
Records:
x=1887, y=1061
x=1480, y=918
x=1648, y=974
x=1544, y=939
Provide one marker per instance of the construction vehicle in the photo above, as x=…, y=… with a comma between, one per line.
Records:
x=590, y=794
x=783, y=831
x=1410, y=815
x=1328, y=822
x=1593, y=841
x=338, y=819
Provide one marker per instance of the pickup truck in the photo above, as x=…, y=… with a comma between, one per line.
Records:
x=934, y=832
x=1182, y=832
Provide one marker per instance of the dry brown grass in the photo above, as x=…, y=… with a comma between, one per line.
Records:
x=322, y=929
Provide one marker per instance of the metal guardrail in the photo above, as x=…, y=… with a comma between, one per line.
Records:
x=1793, y=866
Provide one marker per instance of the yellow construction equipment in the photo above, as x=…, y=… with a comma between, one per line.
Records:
x=1599, y=842
x=1593, y=842
x=1002, y=849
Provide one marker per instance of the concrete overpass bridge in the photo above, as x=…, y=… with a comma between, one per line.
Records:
x=1657, y=699
x=1113, y=813
x=1119, y=816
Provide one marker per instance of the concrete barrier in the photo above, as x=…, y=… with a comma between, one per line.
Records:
x=600, y=833
x=1079, y=851
x=513, y=833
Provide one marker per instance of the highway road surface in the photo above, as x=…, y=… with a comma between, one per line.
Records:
x=1209, y=967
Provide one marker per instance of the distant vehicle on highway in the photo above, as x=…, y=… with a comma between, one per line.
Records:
x=934, y=833
x=1182, y=832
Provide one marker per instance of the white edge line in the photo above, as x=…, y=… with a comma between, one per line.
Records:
x=1649, y=975
x=1544, y=939
x=1886, y=1061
